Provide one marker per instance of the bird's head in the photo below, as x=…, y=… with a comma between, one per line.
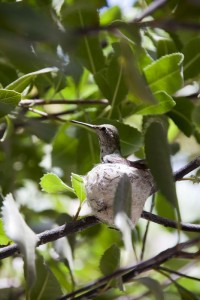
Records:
x=108, y=137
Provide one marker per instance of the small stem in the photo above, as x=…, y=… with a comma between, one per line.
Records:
x=32, y=102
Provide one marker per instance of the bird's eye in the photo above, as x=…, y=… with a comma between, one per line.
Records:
x=103, y=129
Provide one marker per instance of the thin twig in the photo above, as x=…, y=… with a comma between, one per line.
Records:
x=45, y=116
x=32, y=102
x=191, y=166
x=170, y=223
x=177, y=273
x=151, y=9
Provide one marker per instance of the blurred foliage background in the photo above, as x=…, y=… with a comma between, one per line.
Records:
x=86, y=60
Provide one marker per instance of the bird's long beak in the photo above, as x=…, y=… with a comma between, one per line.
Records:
x=84, y=124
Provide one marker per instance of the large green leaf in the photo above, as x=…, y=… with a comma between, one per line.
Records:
x=8, y=101
x=165, y=103
x=165, y=73
x=21, y=83
x=158, y=157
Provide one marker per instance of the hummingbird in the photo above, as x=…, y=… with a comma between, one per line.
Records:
x=102, y=181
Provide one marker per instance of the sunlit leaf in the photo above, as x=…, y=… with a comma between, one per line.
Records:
x=51, y=183
x=165, y=103
x=165, y=73
x=78, y=186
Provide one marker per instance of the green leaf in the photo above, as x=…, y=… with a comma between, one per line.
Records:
x=17, y=230
x=191, y=53
x=111, y=81
x=165, y=73
x=64, y=148
x=165, y=46
x=110, y=260
x=8, y=101
x=43, y=130
x=181, y=114
x=46, y=286
x=51, y=183
x=154, y=286
x=21, y=83
x=7, y=74
x=78, y=186
x=158, y=157
x=135, y=80
x=165, y=103
x=164, y=208
x=88, y=49
x=111, y=14
x=116, y=82
x=123, y=197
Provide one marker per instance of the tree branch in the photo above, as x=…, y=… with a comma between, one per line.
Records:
x=80, y=225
